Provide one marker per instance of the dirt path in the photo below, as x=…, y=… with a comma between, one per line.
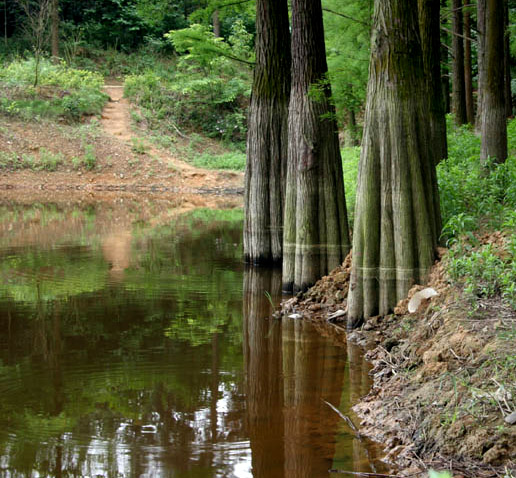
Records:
x=120, y=168
x=116, y=117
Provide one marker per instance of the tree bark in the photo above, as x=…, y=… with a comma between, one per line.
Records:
x=267, y=140
x=458, y=89
x=316, y=236
x=481, y=78
x=429, y=28
x=494, y=124
x=54, y=30
x=216, y=24
x=351, y=134
x=507, y=61
x=468, y=75
x=397, y=216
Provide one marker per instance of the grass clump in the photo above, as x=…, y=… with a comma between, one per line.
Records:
x=233, y=160
x=62, y=92
x=45, y=161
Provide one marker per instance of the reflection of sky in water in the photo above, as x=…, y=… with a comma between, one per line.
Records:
x=142, y=359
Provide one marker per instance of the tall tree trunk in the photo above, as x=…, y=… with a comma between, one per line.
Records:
x=429, y=27
x=216, y=23
x=458, y=89
x=267, y=140
x=316, y=237
x=481, y=79
x=507, y=61
x=494, y=124
x=468, y=74
x=397, y=217
x=445, y=60
x=54, y=30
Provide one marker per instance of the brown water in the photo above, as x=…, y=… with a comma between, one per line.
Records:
x=134, y=344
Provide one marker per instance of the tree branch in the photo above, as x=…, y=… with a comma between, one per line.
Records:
x=346, y=16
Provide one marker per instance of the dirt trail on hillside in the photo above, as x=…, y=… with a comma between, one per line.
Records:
x=116, y=117
x=126, y=162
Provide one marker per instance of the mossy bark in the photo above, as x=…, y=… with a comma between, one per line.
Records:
x=493, y=126
x=316, y=237
x=429, y=29
x=397, y=216
x=267, y=140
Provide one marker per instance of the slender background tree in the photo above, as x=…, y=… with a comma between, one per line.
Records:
x=267, y=139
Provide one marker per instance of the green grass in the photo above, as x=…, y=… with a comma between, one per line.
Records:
x=233, y=160
x=350, y=159
x=45, y=161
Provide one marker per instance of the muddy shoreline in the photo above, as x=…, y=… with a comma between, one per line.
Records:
x=442, y=377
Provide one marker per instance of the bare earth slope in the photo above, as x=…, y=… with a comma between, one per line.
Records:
x=123, y=162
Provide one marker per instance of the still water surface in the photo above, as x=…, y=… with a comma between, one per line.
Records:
x=134, y=343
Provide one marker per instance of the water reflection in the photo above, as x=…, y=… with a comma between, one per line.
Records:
x=292, y=373
x=126, y=351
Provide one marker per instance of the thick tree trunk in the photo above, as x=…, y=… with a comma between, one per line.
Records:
x=397, y=217
x=429, y=27
x=316, y=237
x=54, y=30
x=468, y=74
x=494, y=124
x=481, y=78
x=507, y=62
x=267, y=139
x=458, y=89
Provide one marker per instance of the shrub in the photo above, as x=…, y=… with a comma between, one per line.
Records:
x=207, y=91
x=62, y=91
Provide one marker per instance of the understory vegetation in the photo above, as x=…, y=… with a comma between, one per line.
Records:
x=478, y=203
x=61, y=92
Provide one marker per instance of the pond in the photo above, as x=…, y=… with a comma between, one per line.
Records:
x=134, y=343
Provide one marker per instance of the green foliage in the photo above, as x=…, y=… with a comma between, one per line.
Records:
x=207, y=91
x=474, y=196
x=62, y=92
x=347, y=47
x=350, y=159
x=471, y=192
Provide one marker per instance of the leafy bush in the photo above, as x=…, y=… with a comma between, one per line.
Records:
x=62, y=91
x=207, y=92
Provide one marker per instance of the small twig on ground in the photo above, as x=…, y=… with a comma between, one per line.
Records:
x=345, y=418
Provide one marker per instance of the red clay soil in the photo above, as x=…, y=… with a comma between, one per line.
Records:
x=126, y=164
